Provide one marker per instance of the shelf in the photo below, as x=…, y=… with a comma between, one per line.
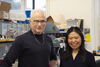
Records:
x=5, y=20
x=57, y=34
x=96, y=54
x=7, y=40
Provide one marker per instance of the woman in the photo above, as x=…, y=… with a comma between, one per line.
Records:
x=76, y=55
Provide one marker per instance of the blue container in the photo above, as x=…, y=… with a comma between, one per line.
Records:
x=28, y=12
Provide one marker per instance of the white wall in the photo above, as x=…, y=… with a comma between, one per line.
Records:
x=71, y=9
x=82, y=9
x=97, y=23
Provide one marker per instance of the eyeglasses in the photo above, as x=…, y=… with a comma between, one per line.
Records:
x=39, y=21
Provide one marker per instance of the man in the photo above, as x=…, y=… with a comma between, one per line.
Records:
x=34, y=48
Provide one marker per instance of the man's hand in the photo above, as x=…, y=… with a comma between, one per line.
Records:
x=53, y=63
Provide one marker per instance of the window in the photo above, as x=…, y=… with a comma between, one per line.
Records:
x=40, y=4
x=16, y=4
x=29, y=4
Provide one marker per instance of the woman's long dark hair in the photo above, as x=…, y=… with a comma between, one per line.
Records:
x=82, y=50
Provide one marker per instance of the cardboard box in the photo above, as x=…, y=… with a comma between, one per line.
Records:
x=5, y=6
x=4, y=15
x=59, y=21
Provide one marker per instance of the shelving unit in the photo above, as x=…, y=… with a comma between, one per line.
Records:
x=5, y=45
x=9, y=30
